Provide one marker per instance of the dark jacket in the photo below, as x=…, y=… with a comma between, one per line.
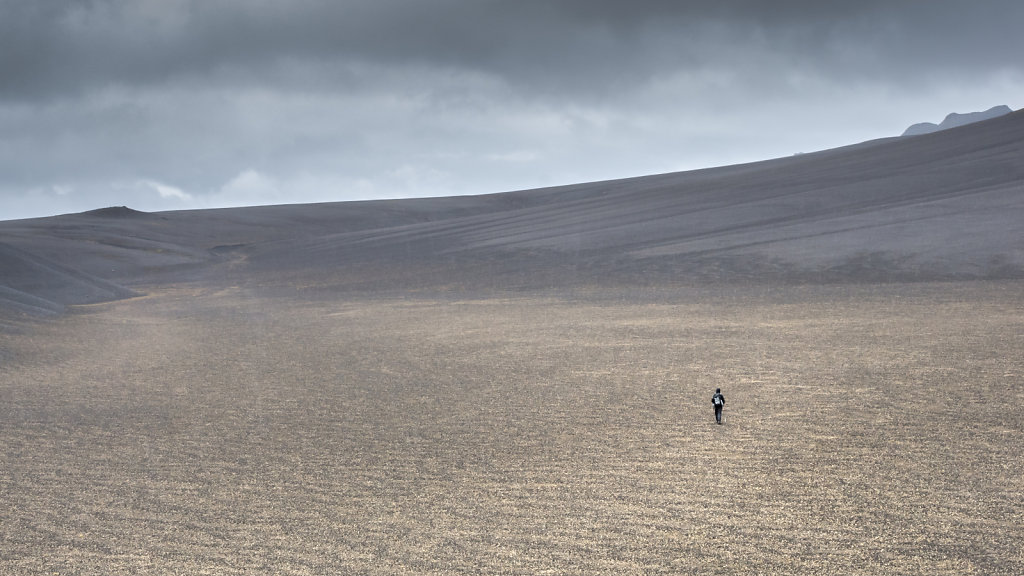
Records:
x=718, y=395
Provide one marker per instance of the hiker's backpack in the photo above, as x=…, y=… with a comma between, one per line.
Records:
x=716, y=399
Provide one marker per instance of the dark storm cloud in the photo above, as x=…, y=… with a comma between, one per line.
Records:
x=53, y=47
x=183, y=103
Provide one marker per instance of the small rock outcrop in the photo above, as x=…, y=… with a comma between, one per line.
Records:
x=116, y=212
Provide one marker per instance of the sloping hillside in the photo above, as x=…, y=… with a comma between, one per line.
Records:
x=37, y=285
x=943, y=206
x=947, y=205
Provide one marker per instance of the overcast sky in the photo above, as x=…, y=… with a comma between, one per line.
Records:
x=171, y=104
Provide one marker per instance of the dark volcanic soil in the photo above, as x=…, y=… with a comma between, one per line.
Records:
x=943, y=206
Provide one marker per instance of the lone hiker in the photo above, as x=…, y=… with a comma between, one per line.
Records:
x=718, y=401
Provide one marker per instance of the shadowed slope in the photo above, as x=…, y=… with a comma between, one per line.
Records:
x=40, y=286
x=119, y=248
x=941, y=206
x=947, y=205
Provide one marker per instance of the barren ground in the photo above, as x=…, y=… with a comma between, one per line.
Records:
x=870, y=430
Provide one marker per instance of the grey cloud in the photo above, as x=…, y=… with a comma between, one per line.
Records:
x=55, y=47
x=102, y=99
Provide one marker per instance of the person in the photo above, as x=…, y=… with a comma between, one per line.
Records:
x=718, y=401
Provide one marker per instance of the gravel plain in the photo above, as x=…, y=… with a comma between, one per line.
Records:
x=870, y=430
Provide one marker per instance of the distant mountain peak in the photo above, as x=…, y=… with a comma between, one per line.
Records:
x=954, y=119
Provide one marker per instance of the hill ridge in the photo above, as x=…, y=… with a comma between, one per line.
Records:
x=954, y=119
x=941, y=206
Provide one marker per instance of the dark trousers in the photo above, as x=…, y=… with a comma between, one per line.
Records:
x=718, y=414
